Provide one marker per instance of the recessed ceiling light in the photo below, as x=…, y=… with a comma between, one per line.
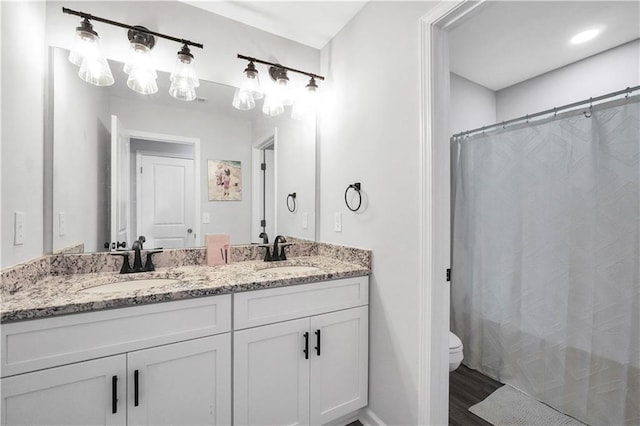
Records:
x=584, y=36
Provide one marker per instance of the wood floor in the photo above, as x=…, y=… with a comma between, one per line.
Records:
x=466, y=388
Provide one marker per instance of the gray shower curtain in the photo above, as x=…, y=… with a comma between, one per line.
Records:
x=546, y=271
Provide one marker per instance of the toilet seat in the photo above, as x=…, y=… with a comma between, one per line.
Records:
x=455, y=351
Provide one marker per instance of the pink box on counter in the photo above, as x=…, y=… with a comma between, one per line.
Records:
x=217, y=249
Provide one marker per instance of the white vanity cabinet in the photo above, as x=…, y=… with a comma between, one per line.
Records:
x=302, y=357
x=167, y=363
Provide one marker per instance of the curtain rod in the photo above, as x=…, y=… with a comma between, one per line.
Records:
x=555, y=110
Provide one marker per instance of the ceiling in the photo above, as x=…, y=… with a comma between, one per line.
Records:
x=312, y=23
x=505, y=42
x=500, y=44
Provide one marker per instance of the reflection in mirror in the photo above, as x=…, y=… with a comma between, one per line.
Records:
x=126, y=165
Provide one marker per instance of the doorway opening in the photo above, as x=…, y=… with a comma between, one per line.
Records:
x=264, y=218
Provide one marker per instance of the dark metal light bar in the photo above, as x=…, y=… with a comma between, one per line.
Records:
x=260, y=61
x=628, y=90
x=130, y=27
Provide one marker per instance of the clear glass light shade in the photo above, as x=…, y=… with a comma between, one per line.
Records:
x=184, y=79
x=139, y=59
x=284, y=91
x=305, y=105
x=252, y=84
x=85, y=44
x=272, y=105
x=142, y=74
x=143, y=81
x=95, y=70
x=182, y=89
x=243, y=99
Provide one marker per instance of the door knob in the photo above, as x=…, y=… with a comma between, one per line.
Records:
x=189, y=231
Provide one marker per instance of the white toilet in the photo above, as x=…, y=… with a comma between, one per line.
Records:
x=455, y=351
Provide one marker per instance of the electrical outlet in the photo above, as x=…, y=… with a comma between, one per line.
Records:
x=62, y=224
x=206, y=217
x=18, y=228
x=337, y=222
x=305, y=220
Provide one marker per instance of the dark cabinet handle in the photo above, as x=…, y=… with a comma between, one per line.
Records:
x=114, y=394
x=318, y=342
x=136, y=375
x=306, y=345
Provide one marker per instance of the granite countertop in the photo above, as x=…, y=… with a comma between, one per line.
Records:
x=63, y=294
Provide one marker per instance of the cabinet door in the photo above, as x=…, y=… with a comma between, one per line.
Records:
x=271, y=375
x=186, y=383
x=75, y=394
x=339, y=363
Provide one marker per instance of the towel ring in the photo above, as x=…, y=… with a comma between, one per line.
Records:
x=291, y=197
x=356, y=187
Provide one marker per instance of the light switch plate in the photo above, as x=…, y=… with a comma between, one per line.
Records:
x=206, y=217
x=337, y=222
x=18, y=228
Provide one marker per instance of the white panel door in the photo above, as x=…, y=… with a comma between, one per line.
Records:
x=339, y=364
x=167, y=201
x=186, y=383
x=75, y=394
x=120, y=182
x=271, y=375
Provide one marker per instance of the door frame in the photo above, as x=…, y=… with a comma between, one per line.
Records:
x=270, y=138
x=435, y=208
x=181, y=140
x=146, y=153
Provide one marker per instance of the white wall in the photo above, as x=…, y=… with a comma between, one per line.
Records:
x=606, y=72
x=369, y=132
x=82, y=140
x=221, y=138
x=472, y=105
x=23, y=76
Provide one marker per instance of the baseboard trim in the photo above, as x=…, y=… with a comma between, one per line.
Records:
x=369, y=418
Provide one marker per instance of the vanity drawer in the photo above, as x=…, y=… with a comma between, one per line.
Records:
x=259, y=307
x=43, y=343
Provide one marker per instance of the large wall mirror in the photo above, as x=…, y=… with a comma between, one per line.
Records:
x=126, y=165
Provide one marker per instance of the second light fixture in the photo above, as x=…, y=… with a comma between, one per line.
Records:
x=279, y=94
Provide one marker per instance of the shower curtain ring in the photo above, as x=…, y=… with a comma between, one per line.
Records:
x=626, y=96
x=590, y=109
x=555, y=111
x=527, y=117
x=503, y=126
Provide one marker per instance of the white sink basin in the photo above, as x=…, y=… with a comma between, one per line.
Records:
x=295, y=269
x=129, y=285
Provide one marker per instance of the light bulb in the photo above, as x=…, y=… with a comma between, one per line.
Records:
x=86, y=43
x=284, y=91
x=252, y=81
x=95, y=70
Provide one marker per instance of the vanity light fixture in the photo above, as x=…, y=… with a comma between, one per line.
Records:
x=275, y=100
x=94, y=67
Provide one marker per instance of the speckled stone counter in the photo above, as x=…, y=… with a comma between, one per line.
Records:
x=63, y=294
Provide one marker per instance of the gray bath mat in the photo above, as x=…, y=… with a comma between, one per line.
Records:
x=508, y=406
